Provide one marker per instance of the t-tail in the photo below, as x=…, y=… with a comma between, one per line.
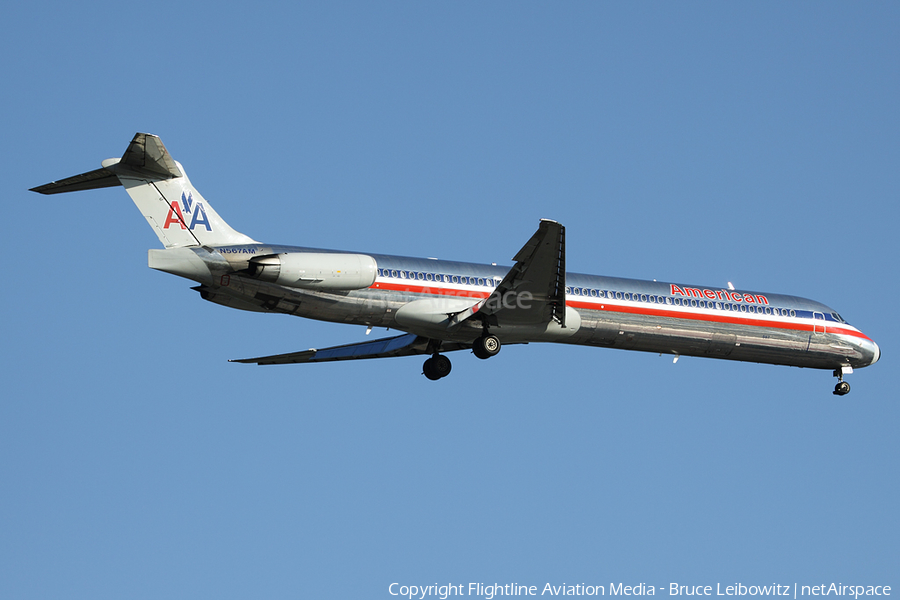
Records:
x=176, y=211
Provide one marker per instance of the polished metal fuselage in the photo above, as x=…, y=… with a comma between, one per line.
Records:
x=613, y=312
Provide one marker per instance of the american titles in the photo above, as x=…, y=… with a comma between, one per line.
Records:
x=726, y=295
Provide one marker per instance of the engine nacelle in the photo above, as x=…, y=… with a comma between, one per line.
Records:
x=316, y=270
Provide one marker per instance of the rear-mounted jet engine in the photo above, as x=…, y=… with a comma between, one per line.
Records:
x=316, y=270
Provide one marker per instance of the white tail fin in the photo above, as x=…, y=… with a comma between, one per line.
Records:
x=162, y=192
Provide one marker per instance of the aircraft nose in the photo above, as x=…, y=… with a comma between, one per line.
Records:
x=871, y=352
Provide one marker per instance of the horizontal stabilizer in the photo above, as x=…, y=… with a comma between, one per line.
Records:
x=91, y=180
x=146, y=157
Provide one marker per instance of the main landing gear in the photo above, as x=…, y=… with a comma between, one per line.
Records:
x=842, y=388
x=486, y=346
x=436, y=367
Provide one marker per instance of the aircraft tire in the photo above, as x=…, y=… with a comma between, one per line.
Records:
x=436, y=367
x=442, y=365
x=842, y=389
x=428, y=370
x=486, y=346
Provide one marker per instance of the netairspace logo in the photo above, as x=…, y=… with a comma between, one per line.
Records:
x=489, y=591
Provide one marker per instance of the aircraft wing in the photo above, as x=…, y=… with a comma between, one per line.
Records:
x=401, y=345
x=534, y=290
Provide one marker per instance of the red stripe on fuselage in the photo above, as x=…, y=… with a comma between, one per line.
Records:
x=716, y=318
x=634, y=310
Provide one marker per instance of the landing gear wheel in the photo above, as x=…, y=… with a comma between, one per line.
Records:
x=436, y=367
x=486, y=346
x=841, y=389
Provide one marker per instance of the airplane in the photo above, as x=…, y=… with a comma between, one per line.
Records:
x=442, y=306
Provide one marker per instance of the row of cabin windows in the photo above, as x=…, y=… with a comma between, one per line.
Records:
x=692, y=302
x=579, y=291
x=438, y=277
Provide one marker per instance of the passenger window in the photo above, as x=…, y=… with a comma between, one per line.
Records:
x=594, y=293
x=668, y=300
x=793, y=313
x=568, y=290
x=394, y=273
x=429, y=277
x=455, y=279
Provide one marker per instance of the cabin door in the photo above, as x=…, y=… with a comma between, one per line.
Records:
x=818, y=322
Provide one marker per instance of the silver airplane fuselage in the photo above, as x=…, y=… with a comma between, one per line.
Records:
x=443, y=306
x=629, y=314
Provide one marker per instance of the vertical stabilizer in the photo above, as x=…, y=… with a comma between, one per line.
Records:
x=159, y=187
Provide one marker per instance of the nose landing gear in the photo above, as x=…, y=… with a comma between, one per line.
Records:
x=842, y=388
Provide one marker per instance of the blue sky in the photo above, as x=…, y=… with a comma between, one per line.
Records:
x=691, y=142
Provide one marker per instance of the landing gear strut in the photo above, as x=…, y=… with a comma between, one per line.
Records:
x=436, y=367
x=486, y=346
x=842, y=388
